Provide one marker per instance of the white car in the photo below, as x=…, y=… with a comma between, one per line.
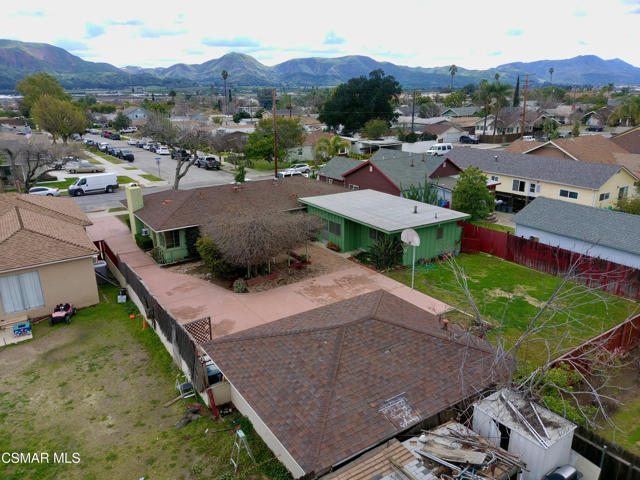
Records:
x=45, y=191
x=132, y=141
x=162, y=150
x=299, y=168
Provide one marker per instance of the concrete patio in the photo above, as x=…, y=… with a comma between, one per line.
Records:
x=189, y=298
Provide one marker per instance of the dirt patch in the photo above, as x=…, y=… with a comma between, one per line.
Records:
x=322, y=262
x=342, y=287
x=519, y=292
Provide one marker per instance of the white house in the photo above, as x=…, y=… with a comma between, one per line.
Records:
x=596, y=232
x=136, y=113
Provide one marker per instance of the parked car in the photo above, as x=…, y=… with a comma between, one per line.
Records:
x=179, y=153
x=528, y=138
x=106, y=134
x=439, y=149
x=288, y=173
x=126, y=155
x=75, y=136
x=88, y=142
x=112, y=149
x=162, y=150
x=300, y=168
x=129, y=130
x=115, y=136
x=132, y=141
x=210, y=163
x=101, y=183
x=468, y=139
x=594, y=128
x=150, y=146
x=94, y=131
x=103, y=146
x=45, y=191
x=140, y=143
x=84, y=166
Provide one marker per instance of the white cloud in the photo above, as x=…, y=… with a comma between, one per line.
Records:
x=405, y=36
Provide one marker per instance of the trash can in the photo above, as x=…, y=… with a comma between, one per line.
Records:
x=100, y=268
x=122, y=296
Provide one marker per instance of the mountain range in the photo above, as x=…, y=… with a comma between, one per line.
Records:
x=18, y=59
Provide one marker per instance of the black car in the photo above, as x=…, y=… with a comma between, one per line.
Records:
x=126, y=155
x=594, y=128
x=210, y=163
x=468, y=139
x=175, y=154
x=140, y=143
x=113, y=151
x=115, y=136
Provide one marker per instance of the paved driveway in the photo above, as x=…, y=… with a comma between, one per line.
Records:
x=189, y=298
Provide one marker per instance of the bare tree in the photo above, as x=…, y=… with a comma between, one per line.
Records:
x=253, y=240
x=546, y=364
x=34, y=158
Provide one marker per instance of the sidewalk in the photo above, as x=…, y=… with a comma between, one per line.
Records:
x=189, y=298
x=120, y=170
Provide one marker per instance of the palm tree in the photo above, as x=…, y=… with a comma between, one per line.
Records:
x=329, y=147
x=482, y=97
x=452, y=70
x=497, y=76
x=225, y=74
x=500, y=93
x=551, y=75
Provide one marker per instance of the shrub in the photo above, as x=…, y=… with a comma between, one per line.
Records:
x=333, y=246
x=144, y=242
x=212, y=258
x=386, y=253
x=192, y=235
x=240, y=286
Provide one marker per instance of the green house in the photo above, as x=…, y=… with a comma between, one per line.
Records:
x=356, y=219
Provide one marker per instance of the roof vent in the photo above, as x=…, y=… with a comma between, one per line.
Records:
x=495, y=157
x=412, y=162
x=436, y=215
x=415, y=209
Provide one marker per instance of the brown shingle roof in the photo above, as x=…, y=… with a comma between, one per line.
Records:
x=320, y=379
x=438, y=128
x=586, y=148
x=311, y=138
x=518, y=146
x=172, y=209
x=65, y=209
x=629, y=140
x=32, y=235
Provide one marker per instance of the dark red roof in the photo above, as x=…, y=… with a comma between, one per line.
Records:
x=326, y=381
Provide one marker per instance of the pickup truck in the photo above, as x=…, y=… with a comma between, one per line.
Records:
x=210, y=163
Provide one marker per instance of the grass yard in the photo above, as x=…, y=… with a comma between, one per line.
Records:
x=97, y=387
x=116, y=209
x=493, y=226
x=130, y=168
x=151, y=178
x=109, y=158
x=124, y=179
x=264, y=165
x=510, y=295
x=61, y=184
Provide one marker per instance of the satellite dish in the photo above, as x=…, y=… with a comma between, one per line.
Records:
x=410, y=237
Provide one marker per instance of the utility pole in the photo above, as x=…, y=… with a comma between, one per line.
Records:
x=413, y=109
x=524, y=102
x=275, y=138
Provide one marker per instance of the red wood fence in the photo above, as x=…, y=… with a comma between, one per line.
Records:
x=594, y=272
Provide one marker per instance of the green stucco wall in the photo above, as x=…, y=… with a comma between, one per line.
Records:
x=356, y=236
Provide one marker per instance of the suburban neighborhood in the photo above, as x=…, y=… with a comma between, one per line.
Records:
x=218, y=266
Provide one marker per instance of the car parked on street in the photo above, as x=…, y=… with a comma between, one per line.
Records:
x=103, y=146
x=84, y=166
x=468, y=139
x=132, y=141
x=299, y=168
x=594, y=128
x=45, y=191
x=209, y=163
x=112, y=150
x=162, y=150
x=179, y=153
x=126, y=155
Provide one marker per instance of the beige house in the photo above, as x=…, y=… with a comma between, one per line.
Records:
x=521, y=178
x=46, y=258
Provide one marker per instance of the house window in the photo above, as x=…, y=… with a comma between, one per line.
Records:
x=568, y=194
x=21, y=292
x=623, y=192
x=329, y=181
x=532, y=188
x=334, y=228
x=495, y=178
x=353, y=187
x=439, y=233
x=172, y=239
x=519, y=186
x=604, y=196
x=375, y=235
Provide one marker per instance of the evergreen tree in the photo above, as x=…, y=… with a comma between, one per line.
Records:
x=471, y=194
x=516, y=94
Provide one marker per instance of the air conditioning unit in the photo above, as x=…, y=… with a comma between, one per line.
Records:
x=144, y=232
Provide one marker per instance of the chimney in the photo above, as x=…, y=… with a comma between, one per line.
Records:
x=135, y=202
x=415, y=209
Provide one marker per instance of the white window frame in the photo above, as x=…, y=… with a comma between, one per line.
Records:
x=21, y=292
x=495, y=178
x=604, y=197
x=520, y=183
x=353, y=187
x=568, y=194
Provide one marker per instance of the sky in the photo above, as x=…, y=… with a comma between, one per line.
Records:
x=470, y=34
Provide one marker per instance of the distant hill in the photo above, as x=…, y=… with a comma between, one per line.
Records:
x=21, y=58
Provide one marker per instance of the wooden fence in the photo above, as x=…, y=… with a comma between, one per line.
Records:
x=616, y=462
x=594, y=272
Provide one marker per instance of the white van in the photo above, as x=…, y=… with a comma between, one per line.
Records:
x=439, y=148
x=100, y=183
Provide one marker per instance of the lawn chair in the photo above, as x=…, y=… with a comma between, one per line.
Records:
x=185, y=388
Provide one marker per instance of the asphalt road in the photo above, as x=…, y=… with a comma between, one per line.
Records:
x=146, y=161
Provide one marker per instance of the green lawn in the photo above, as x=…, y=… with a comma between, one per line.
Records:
x=61, y=184
x=509, y=296
x=151, y=178
x=264, y=165
x=124, y=179
x=493, y=226
x=116, y=209
x=97, y=387
x=130, y=168
x=109, y=158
